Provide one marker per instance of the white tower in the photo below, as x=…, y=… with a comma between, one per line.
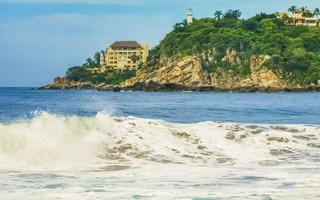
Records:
x=189, y=17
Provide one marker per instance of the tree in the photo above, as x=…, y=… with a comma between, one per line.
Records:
x=180, y=27
x=303, y=9
x=307, y=13
x=76, y=73
x=250, y=24
x=275, y=63
x=261, y=16
x=316, y=12
x=89, y=61
x=135, y=58
x=232, y=14
x=292, y=9
x=96, y=58
x=311, y=42
x=218, y=14
x=93, y=62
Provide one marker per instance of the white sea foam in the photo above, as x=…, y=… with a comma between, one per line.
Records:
x=71, y=157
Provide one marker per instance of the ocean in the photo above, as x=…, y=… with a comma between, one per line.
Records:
x=85, y=144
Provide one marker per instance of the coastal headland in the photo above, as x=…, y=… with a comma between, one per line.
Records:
x=265, y=53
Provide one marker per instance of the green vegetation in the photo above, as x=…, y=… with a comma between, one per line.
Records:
x=135, y=58
x=112, y=76
x=93, y=62
x=294, y=50
x=90, y=72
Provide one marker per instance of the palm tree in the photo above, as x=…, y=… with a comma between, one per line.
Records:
x=306, y=12
x=96, y=57
x=303, y=9
x=316, y=12
x=292, y=9
x=89, y=63
x=218, y=14
x=135, y=58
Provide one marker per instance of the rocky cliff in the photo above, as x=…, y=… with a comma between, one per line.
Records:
x=189, y=73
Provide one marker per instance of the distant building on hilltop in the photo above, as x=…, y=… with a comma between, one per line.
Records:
x=189, y=17
x=124, y=54
x=282, y=15
x=299, y=19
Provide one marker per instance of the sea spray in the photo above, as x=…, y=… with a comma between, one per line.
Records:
x=55, y=142
x=49, y=142
x=70, y=157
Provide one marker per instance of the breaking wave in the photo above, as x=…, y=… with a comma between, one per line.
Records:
x=53, y=142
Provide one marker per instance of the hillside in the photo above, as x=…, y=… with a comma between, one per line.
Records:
x=262, y=53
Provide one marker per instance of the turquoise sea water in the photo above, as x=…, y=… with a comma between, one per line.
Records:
x=80, y=145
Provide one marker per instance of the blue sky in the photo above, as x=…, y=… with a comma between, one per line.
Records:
x=40, y=39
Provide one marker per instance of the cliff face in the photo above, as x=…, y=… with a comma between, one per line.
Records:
x=171, y=74
x=189, y=73
x=259, y=78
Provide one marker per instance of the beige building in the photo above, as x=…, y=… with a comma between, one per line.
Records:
x=299, y=19
x=124, y=54
x=282, y=15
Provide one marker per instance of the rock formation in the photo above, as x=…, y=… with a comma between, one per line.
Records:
x=190, y=74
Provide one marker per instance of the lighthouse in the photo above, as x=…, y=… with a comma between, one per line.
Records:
x=189, y=17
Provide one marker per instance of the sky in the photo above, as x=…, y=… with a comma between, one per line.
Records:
x=41, y=39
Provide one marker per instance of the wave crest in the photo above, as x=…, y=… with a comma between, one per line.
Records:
x=53, y=142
